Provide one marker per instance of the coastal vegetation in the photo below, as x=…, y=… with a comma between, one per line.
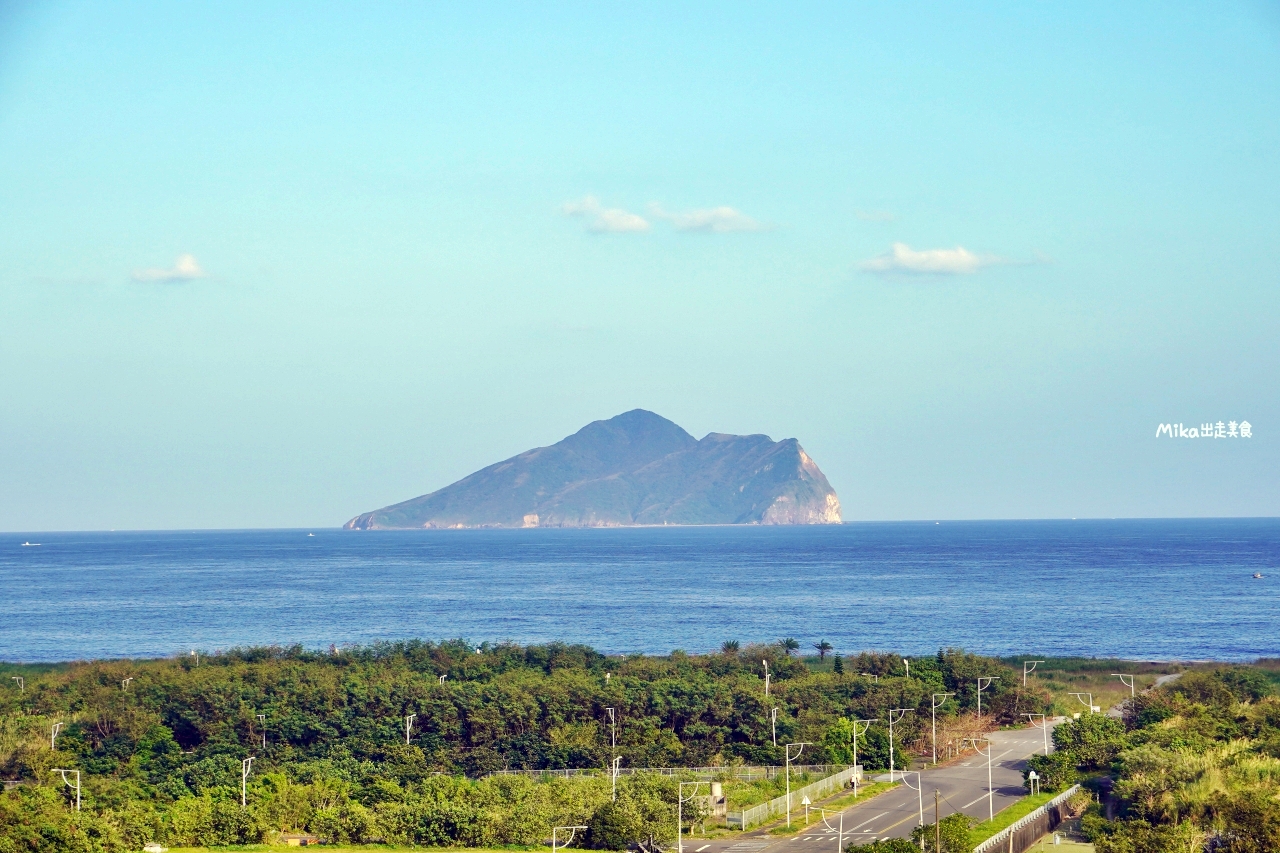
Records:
x=412, y=742
x=1191, y=765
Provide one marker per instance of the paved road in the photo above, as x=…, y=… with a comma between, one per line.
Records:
x=895, y=813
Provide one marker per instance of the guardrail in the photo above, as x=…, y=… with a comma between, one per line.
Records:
x=735, y=772
x=757, y=815
x=1012, y=838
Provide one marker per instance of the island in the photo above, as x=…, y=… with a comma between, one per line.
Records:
x=634, y=469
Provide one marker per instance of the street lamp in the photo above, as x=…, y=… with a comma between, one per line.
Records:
x=124, y=685
x=442, y=678
x=907, y=664
x=988, y=679
x=857, y=734
x=1026, y=672
x=901, y=712
x=617, y=760
x=1044, y=724
x=1088, y=704
x=22, y=684
x=991, y=801
x=68, y=784
x=408, y=726
x=1128, y=683
x=934, y=711
x=839, y=832
x=262, y=718
x=245, y=766
x=53, y=735
x=919, y=789
x=774, y=716
x=681, y=799
x=799, y=749
x=766, y=676
x=568, y=841
x=196, y=655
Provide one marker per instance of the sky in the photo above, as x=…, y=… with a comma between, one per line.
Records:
x=274, y=265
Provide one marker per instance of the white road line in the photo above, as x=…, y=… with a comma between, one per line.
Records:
x=980, y=799
x=700, y=849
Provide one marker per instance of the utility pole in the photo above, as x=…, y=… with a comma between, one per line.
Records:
x=262, y=718
x=245, y=766
x=774, y=715
x=1128, y=683
x=408, y=726
x=857, y=734
x=901, y=712
x=934, y=711
x=1026, y=672
x=937, y=824
x=799, y=749
x=988, y=679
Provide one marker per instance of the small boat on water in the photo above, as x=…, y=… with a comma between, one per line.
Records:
x=30, y=544
x=1257, y=576
x=311, y=534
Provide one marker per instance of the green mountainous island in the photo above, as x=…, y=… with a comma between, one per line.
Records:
x=635, y=469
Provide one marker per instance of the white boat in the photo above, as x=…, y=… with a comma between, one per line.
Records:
x=1257, y=576
x=30, y=544
x=311, y=534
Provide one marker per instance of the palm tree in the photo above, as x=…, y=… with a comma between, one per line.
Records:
x=823, y=648
x=730, y=647
x=789, y=644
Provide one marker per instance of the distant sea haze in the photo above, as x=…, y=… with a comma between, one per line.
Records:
x=1152, y=589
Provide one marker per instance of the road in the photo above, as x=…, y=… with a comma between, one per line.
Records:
x=893, y=814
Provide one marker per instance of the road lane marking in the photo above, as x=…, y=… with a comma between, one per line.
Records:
x=700, y=849
x=980, y=799
x=865, y=822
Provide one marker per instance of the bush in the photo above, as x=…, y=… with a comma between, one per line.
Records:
x=892, y=845
x=953, y=831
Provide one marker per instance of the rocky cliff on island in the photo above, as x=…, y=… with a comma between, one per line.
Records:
x=635, y=469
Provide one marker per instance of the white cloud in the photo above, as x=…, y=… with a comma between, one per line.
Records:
x=903, y=259
x=875, y=216
x=609, y=220
x=184, y=268
x=716, y=220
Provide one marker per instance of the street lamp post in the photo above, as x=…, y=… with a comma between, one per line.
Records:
x=799, y=749
x=901, y=712
x=556, y=829
x=766, y=676
x=22, y=684
x=988, y=679
x=857, y=734
x=907, y=664
x=441, y=679
x=196, y=655
x=774, y=717
x=613, y=729
x=1026, y=672
x=408, y=726
x=617, y=760
x=991, y=801
x=1088, y=704
x=1044, y=724
x=262, y=718
x=245, y=766
x=934, y=711
x=68, y=784
x=53, y=735
x=1129, y=683
x=124, y=685
x=681, y=799
x=919, y=789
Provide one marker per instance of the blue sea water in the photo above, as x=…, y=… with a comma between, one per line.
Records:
x=1157, y=589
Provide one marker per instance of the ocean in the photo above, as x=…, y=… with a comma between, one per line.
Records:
x=1138, y=589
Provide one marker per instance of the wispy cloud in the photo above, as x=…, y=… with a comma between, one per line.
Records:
x=875, y=216
x=184, y=268
x=901, y=258
x=715, y=220
x=606, y=220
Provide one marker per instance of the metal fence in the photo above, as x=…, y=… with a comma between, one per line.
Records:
x=741, y=772
x=1026, y=831
x=757, y=815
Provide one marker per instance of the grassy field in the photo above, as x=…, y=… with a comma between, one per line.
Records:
x=1064, y=676
x=1020, y=809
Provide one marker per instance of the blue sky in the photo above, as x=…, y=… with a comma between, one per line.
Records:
x=275, y=265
